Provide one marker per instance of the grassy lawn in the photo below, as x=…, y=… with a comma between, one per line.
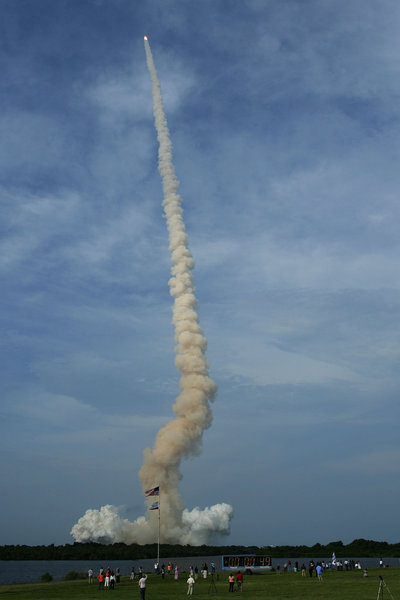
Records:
x=351, y=585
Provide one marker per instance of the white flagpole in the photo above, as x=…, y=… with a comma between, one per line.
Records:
x=159, y=518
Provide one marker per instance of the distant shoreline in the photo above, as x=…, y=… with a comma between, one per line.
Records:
x=120, y=551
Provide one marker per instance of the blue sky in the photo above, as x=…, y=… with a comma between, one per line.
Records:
x=284, y=118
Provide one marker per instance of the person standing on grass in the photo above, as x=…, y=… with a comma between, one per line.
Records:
x=90, y=575
x=190, y=583
x=142, y=586
x=231, y=580
x=112, y=581
x=311, y=567
x=101, y=581
x=318, y=569
x=239, y=581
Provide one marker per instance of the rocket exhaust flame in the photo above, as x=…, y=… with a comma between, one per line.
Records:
x=182, y=436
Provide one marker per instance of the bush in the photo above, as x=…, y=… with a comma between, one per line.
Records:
x=46, y=577
x=73, y=575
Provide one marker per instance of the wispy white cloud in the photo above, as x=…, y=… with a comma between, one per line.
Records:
x=376, y=463
x=49, y=408
x=269, y=365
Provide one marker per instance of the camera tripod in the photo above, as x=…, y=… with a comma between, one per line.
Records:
x=212, y=588
x=382, y=585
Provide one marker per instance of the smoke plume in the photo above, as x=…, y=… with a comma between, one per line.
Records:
x=182, y=436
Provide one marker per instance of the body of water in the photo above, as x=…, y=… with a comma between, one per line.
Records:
x=29, y=571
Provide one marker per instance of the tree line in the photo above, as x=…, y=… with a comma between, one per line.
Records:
x=120, y=551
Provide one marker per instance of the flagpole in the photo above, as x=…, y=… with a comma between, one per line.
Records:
x=159, y=519
x=155, y=491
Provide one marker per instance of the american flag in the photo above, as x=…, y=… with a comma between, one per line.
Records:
x=154, y=506
x=153, y=492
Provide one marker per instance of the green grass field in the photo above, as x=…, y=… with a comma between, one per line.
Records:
x=337, y=585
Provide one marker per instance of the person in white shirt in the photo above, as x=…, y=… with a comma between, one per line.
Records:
x=142, y=586
x=190, y=583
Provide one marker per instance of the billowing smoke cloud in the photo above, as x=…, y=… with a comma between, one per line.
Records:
x=182, y=436
x=107, y=526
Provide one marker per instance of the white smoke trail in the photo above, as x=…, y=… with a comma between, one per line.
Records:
x=182, y=436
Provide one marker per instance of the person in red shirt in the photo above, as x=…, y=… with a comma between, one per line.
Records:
x=100, y=577
x=239, y=581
